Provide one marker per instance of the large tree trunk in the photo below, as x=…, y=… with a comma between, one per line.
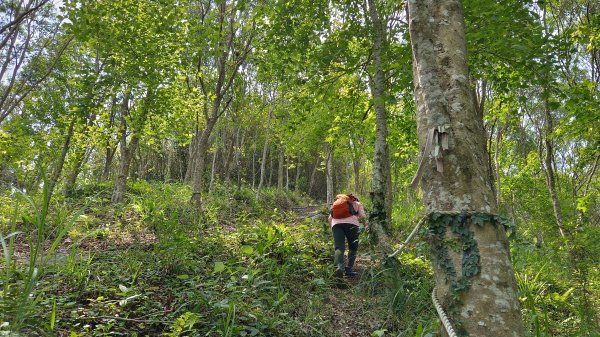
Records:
x=448, y=126
x=380, y=214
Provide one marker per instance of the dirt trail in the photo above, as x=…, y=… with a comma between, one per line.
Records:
x=346, y=309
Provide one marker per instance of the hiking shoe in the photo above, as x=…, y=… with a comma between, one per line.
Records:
x=349, y=273
x=339, y=272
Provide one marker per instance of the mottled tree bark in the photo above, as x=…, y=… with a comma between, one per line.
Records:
x=454, y=169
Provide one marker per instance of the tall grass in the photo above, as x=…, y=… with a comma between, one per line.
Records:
x=18, y=299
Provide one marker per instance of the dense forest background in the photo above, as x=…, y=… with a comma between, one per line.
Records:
x=165, y=165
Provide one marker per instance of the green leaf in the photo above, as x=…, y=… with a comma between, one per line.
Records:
x=219, y=267
x=378, y=333
x=247, y=250
x=53, y=315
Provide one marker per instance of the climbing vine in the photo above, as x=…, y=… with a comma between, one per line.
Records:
x=464, y=240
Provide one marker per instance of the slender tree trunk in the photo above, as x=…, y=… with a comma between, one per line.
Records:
x=549, y=168
x=110, y=149
x=356, y=166
x=297, y=180
x=61, y=161
x=454, y=173
x=81, y=153
x=237, y=160
x=287, y=173
x=329, y=170
x=263, y=163
x=71, y=180
x=229, y=155
x=380, y=214
x=253, y=166
x=348, y=166
x=191, y=158
x=213, y=167
x=126, y=153
x=200, y=160
x=108, y=159
x=170, y=153
x=270, y=180
x=314, y=174
x=280, y=168
x=497, y=165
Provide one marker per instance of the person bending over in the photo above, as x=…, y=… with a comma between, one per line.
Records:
x=344, y=218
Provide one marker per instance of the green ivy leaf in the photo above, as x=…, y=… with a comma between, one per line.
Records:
x=480, y=218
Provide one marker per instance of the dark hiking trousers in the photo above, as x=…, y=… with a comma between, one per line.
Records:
x=341, y=232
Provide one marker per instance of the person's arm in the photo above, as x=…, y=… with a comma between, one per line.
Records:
x=361, y=214
x=361, y=210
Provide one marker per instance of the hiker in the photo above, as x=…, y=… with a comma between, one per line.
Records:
x=346, y=211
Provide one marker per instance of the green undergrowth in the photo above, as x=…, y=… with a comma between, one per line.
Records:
x=558, y=287
x=153, y=267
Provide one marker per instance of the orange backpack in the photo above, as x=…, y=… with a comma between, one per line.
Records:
x=342, y=207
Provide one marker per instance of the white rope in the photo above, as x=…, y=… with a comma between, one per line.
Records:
x=442, y=314
x=412, y=234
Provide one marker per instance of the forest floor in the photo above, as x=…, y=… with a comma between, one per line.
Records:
x=140, y=270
